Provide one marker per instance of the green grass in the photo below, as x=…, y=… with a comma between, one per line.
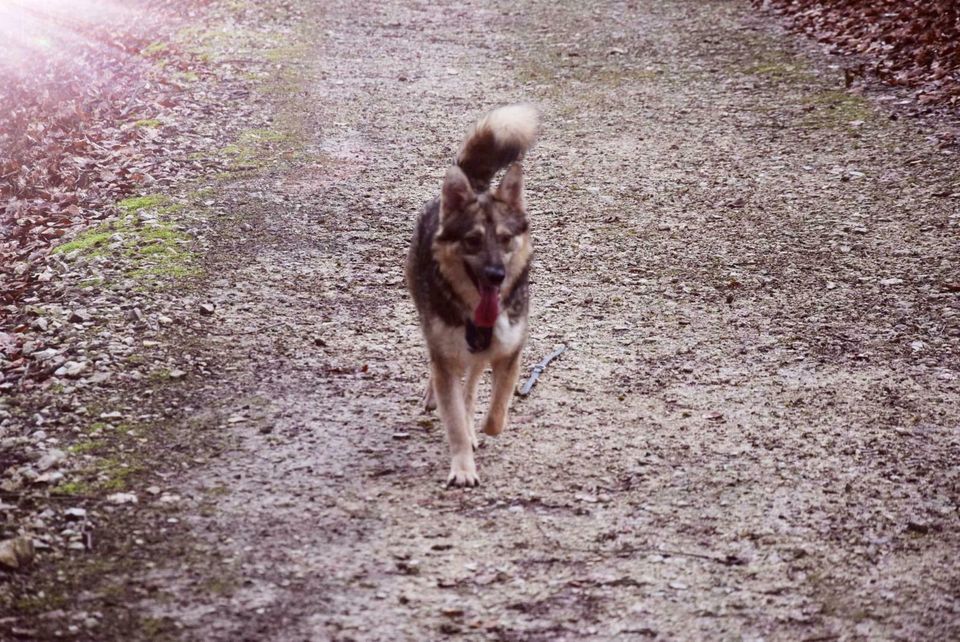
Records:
x=153, y=249
x=835, y=109
x=154, y=48
x=257, y=148
x=780, y=70
x=186, y=76
x=84, y=447
x=115, y=474
x=160, y=376
x=72, y=488
x=39, y=603
x=285, y=53
x=85, y=241
x=137, y=203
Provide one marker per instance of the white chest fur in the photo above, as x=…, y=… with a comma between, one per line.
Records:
x=507, y=337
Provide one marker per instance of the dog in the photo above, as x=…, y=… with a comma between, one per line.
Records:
x=467, y=272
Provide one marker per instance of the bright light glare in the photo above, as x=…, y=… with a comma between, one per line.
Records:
x=31, y=29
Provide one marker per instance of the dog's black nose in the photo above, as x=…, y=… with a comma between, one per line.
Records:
x=494, y=274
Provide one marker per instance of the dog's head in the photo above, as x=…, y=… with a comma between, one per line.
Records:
x=482, y=244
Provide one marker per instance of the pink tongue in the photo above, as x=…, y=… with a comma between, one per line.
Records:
x=485, y=316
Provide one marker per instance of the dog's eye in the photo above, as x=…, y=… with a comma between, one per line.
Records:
x=505, y=240
x=472, y=243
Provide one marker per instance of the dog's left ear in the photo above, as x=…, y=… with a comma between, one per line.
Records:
x=510, y=190
x=456, y=193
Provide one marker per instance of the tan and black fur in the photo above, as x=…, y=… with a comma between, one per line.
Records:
x=471, y=248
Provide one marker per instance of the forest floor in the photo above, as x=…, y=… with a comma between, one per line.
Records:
x=754, y=433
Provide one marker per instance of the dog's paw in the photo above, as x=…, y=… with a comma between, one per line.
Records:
x=463, y=472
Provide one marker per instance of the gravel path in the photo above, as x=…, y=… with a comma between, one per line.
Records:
x=755, y=432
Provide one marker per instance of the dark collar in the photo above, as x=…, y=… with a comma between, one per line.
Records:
x=478, y=339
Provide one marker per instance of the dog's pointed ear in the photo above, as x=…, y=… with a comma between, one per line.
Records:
x=456, y=192
x=510, y=190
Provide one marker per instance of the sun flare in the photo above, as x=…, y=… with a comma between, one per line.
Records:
x=32, y=30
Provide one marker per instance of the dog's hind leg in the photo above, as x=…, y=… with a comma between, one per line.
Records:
x=474, y=372
x=429, y=396
x=450, y=402
x=505, y=374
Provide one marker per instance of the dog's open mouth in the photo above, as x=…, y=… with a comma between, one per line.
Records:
x=485, y=316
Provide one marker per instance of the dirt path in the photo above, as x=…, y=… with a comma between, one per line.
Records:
x=755, y=433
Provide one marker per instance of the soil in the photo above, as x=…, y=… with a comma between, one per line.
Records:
x=753, y=434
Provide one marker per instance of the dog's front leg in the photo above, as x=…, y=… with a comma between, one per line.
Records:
x=429, y=397
x=450, y=402
x=474, y=372
x=505, y=374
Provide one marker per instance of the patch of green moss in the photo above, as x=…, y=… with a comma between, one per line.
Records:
x=289, y=52
x=97, y=426
x=264, y=136
x=87, y=241
x=186, y=76
x=220, y=585
x=256, y=148
x=176, y=272
x=218, y=491
x=154, y=249
x=153, y=628
x=159, y=376
x=84, y=447
x=170, y=209
x=202, y=193
x=39, y=603
x=137, y=203
x=147, y=122
x=779, y=70
x=237, y=5
x=154, y=48
x=71, y=488
x=115, y=474
x=209, y=45
x=835, y=109
x=158, y=243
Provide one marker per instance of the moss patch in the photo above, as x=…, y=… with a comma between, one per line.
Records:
x=87, y=241
x=783, y=69
x=137, y=203
x=186, y=76
x=40, y=603
x=72, y=488
x=115, y=474
x=154, y=48
x=153, y=247
x=835, y=109
x=160, y=376
x=258, y=148
x=86, y=446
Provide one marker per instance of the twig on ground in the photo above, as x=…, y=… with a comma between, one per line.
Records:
x=538, y=369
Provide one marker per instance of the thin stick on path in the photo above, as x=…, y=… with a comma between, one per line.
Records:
x=538, y=369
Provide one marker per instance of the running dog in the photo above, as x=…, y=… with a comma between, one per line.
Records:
x=467, y=272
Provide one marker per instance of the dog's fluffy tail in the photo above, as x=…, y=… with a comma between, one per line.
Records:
x=496, y=140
